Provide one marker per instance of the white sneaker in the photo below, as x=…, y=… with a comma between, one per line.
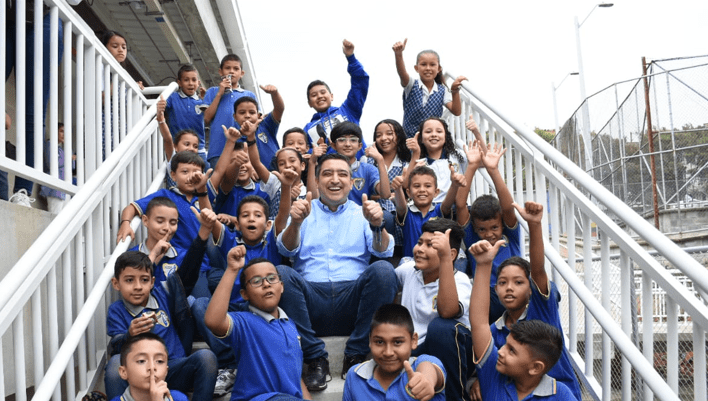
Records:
x=22, y=198
x=224, y=382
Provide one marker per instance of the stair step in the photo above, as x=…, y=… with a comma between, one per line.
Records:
x=335, y=388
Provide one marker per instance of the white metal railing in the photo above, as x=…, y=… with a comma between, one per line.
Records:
x=534, y=170
x=90, y=93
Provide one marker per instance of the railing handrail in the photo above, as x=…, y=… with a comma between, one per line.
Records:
x=649, y=233
x=27, y=274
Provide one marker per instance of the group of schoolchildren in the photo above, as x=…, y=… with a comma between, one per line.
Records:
x=225, y=206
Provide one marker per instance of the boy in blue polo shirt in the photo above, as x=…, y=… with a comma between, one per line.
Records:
x=265, y=341
x=392, y=374
x=367, y=179
x=184, y=108
x=164, y=311
x=319, y=97
x=518, y=369
x=220, y=100
x=422, y=189
x=246, y=108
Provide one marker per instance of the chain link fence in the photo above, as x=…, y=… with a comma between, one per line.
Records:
x=620, y=153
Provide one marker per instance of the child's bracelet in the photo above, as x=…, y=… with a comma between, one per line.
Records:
x=123, y=221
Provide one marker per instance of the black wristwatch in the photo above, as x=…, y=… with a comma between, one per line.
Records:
x=251, y=143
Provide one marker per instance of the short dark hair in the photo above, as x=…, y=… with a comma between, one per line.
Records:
x=516, y=261
x=185, y=68
x=544, y=341
x=242, y=275
x=441, y=225
x=297, y=130
x=402, y=150
x=485, y=207
x=331, y=156
x=159, y=201
x=132, y=340
x=394, y=314
x=230, y=57
x=253, y=199
x=186, y=131
x=315, y=83
x=187, y=157
x=135, y=259
x=422, y=170
x=60, y=125
x=244, y=99
x=347, y=128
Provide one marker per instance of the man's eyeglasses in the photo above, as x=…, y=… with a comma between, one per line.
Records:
x=258, y=280
x=344, y=139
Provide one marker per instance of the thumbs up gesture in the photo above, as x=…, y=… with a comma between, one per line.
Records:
x=301, y=209
x=419, y=387
x=372, y=211
x=441, y=243
x=161, y=106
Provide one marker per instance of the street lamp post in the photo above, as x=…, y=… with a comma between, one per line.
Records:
x=555, y=106
x=586, y=113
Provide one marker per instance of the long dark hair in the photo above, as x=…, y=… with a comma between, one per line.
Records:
x=449, y=146
x=402, y=150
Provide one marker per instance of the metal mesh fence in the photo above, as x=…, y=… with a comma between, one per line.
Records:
x=620, y=146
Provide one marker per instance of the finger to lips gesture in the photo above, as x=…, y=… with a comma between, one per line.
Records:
x=301, y=209
x=158, y=389
x=372, y=211
x=418, y=385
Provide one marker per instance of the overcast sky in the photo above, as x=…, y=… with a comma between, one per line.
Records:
x=511, y=51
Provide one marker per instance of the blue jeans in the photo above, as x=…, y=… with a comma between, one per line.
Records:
x=225, y=356
x=197, y=371
x=451, y=342
x=10, y=56
x=337, y=309
x=283, y=397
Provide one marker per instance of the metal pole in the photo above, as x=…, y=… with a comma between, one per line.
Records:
x=650, y=134
x=586, y=113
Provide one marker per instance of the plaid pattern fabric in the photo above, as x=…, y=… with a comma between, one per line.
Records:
x=387, y=204
x=415, y=112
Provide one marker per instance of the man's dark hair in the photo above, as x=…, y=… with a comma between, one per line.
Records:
x=187, y=157
x=244, y=99
x=394, y=314
x=441, y=225
x=135, y=259
x=544, y=341
x=159, y=201
x=132, y=340
x=347, y=128
x=485, y=207
x=315, y=83
x=331, y=156
x=242, y=275
x=230, y=57
x=185, y=68
x=422, y=170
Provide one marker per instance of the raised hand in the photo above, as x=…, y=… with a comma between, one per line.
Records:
x=347, y=48
x=412, y=144
x=491, y=157
x=399, y=47
x=158, y=389
x=206, y=217
x=418, y=385
x=457, y=178
x=471, y=125
x=300, y=209
x=160, y=249
x=484, y=252
x=473, y=150
x=287, y=178
x=161, y=106
x=236, y=258
x=372, y=211
x=372, y=152
x=457, y=84
x=231, y=133
x=269, y=89
x=441, y=243
x=532, y=212
x=199, y=179
x=396, y=183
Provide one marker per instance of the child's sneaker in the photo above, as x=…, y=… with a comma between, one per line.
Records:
x=22, y=198
x=224, y=382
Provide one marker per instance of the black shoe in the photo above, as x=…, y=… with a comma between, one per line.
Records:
x=349, y=361
x=317, y=374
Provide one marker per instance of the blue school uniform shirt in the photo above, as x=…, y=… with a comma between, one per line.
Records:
x=228, y=202
x=412, y=225
x=187, y=223
x=334, y=246
x=361, y=384
x=350, y=110
x=545, y=309
x=268, y=353
x=167, y=265
x=224, y=116
x=418, y=104
x=176, y=396
x=512, y=247
x=267, y=139
x=496, y=386
x=185, y=112
x=121, y=313
x=264, y=249
x=364, y=179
